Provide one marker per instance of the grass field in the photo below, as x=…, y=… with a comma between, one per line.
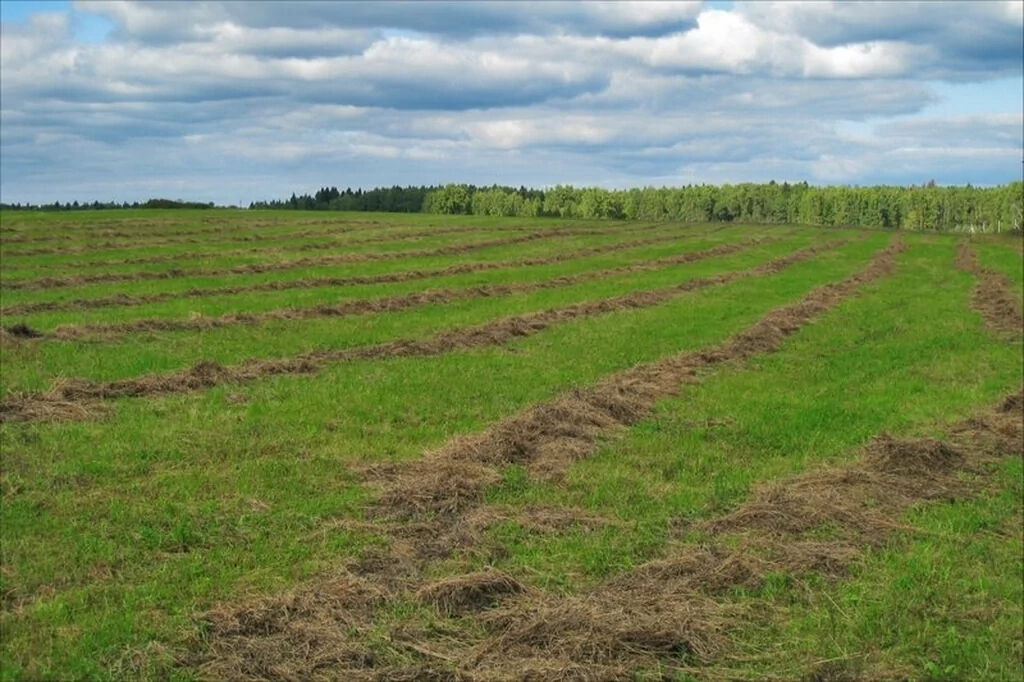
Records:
x=287, y=446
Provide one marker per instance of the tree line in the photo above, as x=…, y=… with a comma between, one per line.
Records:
x=924, y=207
x=390, y=199
x=105, y=205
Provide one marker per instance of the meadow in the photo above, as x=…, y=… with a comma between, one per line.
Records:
x=307, y=445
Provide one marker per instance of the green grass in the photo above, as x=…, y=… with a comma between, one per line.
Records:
x=907, y=354
x=941, y=604
x=266, y=300
x=141, y=354
x=535, y=249
x=118, y=531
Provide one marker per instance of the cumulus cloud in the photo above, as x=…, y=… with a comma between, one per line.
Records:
x=962, y=36
x=271, y=97
x=172, y=21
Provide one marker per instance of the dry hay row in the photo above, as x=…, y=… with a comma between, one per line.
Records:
x=170, y=222
x=670, y=613
x=78, y=398
x=248, y=226
x=121, y=300
x=192, y=255
x=259, y=268
x=368, y=306
x=993, y=294
x=85, y=229
x=243, y=239
x=662, y=615
x=145, y=239
x=547, y=438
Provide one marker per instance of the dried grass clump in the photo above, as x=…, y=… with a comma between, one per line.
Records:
x=709, y=570
x=610, y=629
x=920, y=456
x=302, y=635
x=438, y=486
x=467, y=593
x=537, y=519
x=997, y=433
x=841, y=500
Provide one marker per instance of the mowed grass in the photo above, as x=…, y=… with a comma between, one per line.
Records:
x=688, y=239
x=147, y=353
x=119, y=531
x=909, y=341
x=235, y=254
x=532, y=249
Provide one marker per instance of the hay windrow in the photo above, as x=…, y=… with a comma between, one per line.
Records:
x=280, y=266
x=116, y=228
x=124, y=300
x=105, y=230
x=232, y=232
x=993, y=295
x=499, y=332
x=548, y=437
x=864, y=503
x=319, y=245
x=663, y=615
x=666, y=614
x=200, y=255
x=368, y=306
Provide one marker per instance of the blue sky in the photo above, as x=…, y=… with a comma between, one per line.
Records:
x=231, y=102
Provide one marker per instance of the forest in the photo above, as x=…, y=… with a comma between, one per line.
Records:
x=920, y=208
x=925, y=207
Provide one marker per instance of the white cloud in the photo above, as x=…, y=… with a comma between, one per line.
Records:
x=626, y=93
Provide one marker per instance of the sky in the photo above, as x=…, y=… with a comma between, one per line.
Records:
x=232, y=102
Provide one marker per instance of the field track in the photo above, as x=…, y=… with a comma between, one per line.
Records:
x=508, y=449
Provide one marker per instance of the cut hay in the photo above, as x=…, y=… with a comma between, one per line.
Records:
x=471, y=592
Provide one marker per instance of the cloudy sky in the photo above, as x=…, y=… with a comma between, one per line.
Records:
x=231, y=102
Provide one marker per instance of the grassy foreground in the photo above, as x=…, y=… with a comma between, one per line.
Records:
x=122, y=530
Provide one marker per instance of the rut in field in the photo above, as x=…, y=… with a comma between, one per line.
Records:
x=258, y=268
x=993, y=295
x=662, y=615
x=67, y=399
x=370, y=306
x=124, y=300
